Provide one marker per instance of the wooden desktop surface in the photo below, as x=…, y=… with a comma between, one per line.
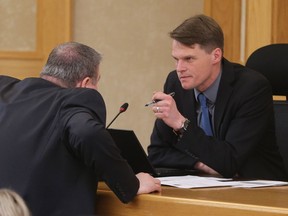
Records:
x=209, y=201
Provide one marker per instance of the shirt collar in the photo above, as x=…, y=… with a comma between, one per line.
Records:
x=211, y=92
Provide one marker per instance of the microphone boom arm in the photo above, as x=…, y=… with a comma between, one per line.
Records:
x=123, y=108
x=113, y=120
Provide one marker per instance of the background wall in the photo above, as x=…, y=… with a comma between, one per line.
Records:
x=133, y=38
x=14, y=20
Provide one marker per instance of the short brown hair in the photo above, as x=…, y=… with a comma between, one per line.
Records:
x=202, y=30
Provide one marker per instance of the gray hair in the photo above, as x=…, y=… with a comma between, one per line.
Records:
x=71, y=62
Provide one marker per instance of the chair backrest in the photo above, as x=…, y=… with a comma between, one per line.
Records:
x=272, y=62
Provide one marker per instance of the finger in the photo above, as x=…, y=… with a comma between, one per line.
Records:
x=157, y=181
x=158, y=188
x=157, y=109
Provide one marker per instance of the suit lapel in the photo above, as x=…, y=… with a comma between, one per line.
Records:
x=224, y=93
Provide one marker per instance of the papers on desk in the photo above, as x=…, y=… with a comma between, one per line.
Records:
x=204, y=182
x=259, y=183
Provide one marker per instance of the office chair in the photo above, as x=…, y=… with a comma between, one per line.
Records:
x=272, y=62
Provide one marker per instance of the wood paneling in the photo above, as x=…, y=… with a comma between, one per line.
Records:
x=258, y=24
x=53, y=23
x=279, y=21
x=228, y=14
x=265, y=23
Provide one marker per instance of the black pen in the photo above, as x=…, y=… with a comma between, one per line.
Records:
x=155, y=101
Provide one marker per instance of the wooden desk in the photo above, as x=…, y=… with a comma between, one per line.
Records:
x=213, y=201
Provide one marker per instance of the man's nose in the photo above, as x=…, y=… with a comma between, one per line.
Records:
x=180, y=66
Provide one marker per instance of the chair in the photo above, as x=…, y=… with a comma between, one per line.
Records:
x=272, y=62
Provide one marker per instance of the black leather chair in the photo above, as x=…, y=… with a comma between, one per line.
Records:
x=272, y=62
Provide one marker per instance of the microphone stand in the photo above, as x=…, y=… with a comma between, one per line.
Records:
x=123, y=108
x=113, y=119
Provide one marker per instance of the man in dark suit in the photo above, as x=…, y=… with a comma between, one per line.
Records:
x=53, y=143
x=238, y=139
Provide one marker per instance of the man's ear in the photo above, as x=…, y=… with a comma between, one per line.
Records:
x=217, y=55
x=84, y=82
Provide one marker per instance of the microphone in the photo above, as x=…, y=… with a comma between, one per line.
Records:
x=122, y=109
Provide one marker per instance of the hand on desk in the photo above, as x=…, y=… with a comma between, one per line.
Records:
x=148, y=184
x=205, y=169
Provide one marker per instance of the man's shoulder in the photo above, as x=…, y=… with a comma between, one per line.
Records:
x=8, y=79
x=242, y=72
x=173, y=75
x=82, y=94
x=244, y=80
x=85, y=98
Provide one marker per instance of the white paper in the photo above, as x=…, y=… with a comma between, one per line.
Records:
x=190, y=181
x=259, y=183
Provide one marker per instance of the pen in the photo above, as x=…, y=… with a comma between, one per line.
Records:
x=155, y=101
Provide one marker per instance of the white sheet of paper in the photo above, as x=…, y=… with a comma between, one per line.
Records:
x=190, y=181
x=193, y=182
x=259, y=183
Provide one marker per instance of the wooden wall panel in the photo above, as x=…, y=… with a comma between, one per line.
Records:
x=264, y=22
x=228, y=14
x=258, y=24
x=53, y=20
x=55, y=23
x=279, y=21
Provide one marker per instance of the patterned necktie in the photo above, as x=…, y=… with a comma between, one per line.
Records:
x=205, y=123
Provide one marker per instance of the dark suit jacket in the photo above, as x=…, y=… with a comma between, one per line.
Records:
x=244, y=142
x=54, y=147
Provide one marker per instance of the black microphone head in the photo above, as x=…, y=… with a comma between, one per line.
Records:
x=124, y=107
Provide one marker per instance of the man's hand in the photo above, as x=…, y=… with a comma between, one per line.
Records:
x=205, y=169
x=166, y=109
x=148, y=184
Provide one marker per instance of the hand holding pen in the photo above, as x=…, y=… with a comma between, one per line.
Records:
x=165, y=108
x=155, y=101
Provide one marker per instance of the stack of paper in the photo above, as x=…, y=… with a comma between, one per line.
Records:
x=204, y=182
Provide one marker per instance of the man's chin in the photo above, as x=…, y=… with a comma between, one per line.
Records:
x=186, y=86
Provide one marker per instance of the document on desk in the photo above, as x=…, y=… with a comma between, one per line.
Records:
x=190, y=181
x=205, y=182
x=259, y=183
